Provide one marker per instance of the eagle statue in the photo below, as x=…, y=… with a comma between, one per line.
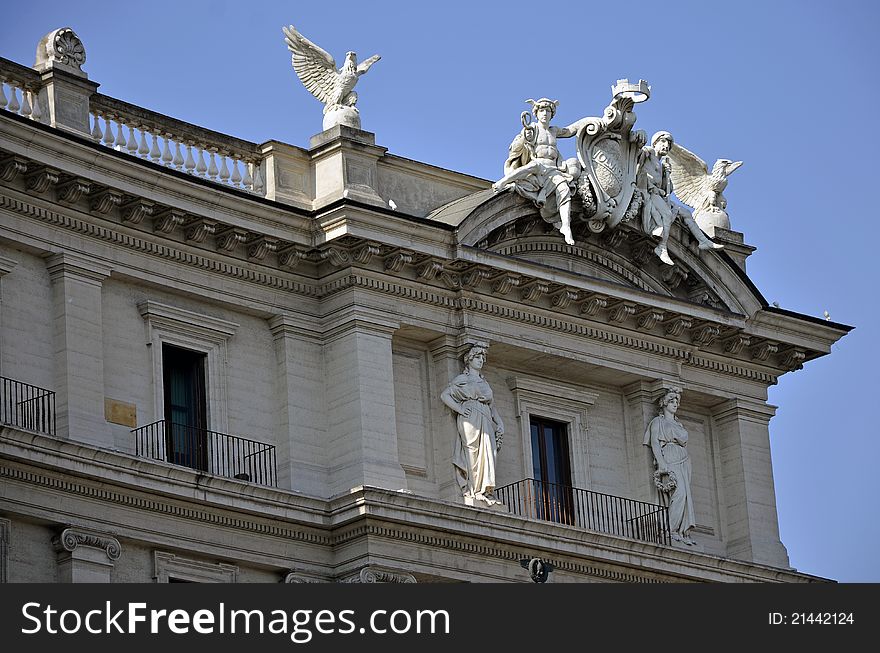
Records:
x=700, y=189
x=317, y=71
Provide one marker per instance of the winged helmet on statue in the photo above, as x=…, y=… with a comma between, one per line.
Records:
x=316, y=69
x=701, y=189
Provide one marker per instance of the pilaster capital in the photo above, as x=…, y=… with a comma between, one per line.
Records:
x=72, y=538
x=738, y=409
x=7, y=265
x=378, y=575
x=66, y=265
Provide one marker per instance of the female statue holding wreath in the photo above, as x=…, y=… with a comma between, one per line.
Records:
x=667, y=439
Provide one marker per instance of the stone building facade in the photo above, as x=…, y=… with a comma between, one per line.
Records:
x=267, y=298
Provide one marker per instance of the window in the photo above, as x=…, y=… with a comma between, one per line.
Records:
x=171, y=568
x=185, y=407
x=551, y=470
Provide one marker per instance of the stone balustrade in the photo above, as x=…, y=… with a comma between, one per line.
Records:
x=19, y=90
x=176, y=144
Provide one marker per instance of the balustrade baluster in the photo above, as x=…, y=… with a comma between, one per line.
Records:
x=119, y=143
x=177, y=161
x=25, y=105
x=248, y=181
x=166, y=150
x=224, y=169
x=155, y=154
x=258, y=180
x=14, y=106
x=36, y=112
x=131, y=145
x=143, y=151
x=236, y=175
x=201, y=168
x=108, y=132
x=212, y=169
x=3, y=100
x=96, y=129
x=190, y=163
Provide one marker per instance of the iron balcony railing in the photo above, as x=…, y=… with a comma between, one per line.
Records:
x=26, y=406
x=208, y=451
x=585, y=509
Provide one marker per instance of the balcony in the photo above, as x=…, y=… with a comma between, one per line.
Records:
x=208, y=451
x=592, y=511
x=26, y=406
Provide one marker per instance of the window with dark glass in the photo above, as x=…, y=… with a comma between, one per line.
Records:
x=551, y=470
x=185, y=412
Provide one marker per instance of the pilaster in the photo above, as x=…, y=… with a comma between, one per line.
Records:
x=79, y=346
x=301, y=417
x=6, y=266
x=752, y=528
x=85, y=556
x=359, y=394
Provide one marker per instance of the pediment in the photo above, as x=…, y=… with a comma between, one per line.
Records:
x=508, y=224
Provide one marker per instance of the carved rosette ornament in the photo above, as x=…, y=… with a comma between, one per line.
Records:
x=71, y=538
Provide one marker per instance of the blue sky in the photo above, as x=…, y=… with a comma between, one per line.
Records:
x=790, y=88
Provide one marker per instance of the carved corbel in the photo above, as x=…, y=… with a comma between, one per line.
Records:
x=593, y=304
x=705, y=334
x=506, y=282
x=105, y=200
x=260, y=246
x=564, y=298
x=621, y=311
x=40, y=178
x=299, y=577
x=168, y=220
x=736, y=343
x=135, y=210
x=675, y=325
x=704, y=296
x=199, y=229
x=289, y=256
x=229, y=238
x=533, y=291
x=792, y=359
x=11, y=166
x=472, y=278
x=429, y=270
x=763, y=350
x=395, y=261
x=648, y=319
x=337, y=257
x=673, y=275
x=365, y=252
x=71, y=189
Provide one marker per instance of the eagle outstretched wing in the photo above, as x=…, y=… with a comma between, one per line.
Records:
x=689, y=176
x=364, y=65
x=314, y=66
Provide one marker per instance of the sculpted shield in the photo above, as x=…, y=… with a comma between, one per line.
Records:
x=608, y=152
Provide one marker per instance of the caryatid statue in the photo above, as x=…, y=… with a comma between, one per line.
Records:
x=317, y=71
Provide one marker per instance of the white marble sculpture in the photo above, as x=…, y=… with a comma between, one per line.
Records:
x=654, y=181
x=537, y=171
x=700, y=189
x=317, y=71
x=480, y=430
x=668, y=439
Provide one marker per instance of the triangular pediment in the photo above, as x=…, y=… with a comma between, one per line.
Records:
x=510, y=225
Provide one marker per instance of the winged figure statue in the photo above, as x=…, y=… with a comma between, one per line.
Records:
x=317, y=71
x=701, y=189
